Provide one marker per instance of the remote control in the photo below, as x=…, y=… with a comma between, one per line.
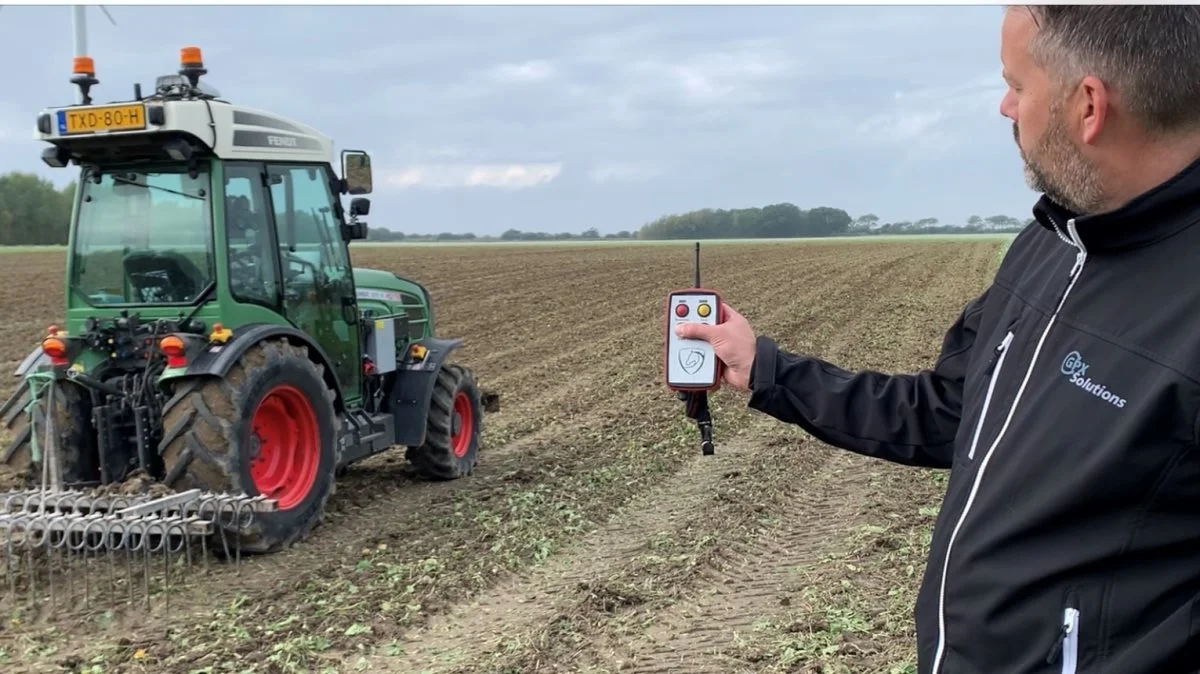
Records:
x=691, y=363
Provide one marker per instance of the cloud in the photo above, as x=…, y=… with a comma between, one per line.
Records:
x=929, y=122
x=613, y=172
x=734, y=74
x=966, y=98
x=522, y=73
x=675, y=82
x=447, y=176
x=901, y=127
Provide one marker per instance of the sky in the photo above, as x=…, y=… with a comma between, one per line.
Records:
x=564, y=118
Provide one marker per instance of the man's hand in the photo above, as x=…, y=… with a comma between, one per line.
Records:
x=733, y=341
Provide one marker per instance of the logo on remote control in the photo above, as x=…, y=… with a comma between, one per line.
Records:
x=691, y=360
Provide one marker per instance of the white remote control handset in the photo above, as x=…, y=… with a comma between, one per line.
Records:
x=691, y=363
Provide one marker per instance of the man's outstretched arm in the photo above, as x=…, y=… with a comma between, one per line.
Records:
x=905, y=418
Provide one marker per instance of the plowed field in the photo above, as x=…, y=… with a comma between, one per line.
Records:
x=594, y=536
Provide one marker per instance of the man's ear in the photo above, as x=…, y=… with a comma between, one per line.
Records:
x=1092, y=107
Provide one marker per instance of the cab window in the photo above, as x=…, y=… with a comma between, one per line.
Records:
x=252, y=267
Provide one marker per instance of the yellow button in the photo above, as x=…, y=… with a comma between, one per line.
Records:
x=703, y=310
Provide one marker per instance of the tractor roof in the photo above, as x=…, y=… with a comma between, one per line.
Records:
x=180, y=109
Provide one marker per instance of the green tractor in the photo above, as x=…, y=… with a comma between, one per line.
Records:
x=217, y=337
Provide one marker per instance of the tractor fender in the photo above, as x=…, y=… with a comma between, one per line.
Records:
x=412, y=389
x=216, y=360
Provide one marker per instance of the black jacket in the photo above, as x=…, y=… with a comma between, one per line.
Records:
x=1066, y=401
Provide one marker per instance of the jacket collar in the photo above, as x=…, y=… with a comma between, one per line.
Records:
x=1156, y=214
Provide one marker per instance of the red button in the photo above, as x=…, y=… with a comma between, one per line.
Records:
x=681, y=310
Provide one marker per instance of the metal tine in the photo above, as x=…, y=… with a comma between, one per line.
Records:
x=8, y=561
x=93, y=549
x=15, y=544
x=45, y=544
x=162, y=526
x=184, y=544
x=19, y=539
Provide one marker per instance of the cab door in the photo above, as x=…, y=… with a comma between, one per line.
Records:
x=314, y=262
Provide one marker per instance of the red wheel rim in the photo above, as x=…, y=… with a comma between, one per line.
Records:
x=462, y=425
x=289, y=446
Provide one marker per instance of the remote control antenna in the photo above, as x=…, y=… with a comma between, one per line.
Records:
x=696, y=279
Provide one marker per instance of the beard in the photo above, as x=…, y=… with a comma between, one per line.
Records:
x=1057, y=169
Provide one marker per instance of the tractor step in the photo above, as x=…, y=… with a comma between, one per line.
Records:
x=364, y=435
x=49, y=533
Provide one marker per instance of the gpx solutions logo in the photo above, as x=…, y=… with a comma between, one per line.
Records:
x=1074, y=367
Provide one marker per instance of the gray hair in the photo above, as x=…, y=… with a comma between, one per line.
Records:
x=1149, y=55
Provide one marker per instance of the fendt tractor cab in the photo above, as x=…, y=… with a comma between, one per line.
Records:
x=217, y=336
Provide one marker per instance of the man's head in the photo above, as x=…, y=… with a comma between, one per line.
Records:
x=1092, y=87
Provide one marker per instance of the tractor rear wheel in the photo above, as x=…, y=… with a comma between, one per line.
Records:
x=453, y=427
x=268, y=427
x=72, y=422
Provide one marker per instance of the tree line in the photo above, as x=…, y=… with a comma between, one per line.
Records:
x=776, y=221
x=384, y=234
x=785, y=220
x=34, y=212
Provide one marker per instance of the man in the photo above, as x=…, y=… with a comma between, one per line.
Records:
x=1066, y=399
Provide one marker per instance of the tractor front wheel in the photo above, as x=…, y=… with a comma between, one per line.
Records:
x=453, y=427
x=268, y=428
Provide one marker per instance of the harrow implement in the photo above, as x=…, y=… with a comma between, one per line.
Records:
x=49, y=535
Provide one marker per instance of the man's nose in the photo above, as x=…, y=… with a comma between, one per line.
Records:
x=1008, y=106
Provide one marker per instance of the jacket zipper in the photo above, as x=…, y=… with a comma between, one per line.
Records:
x=1076, y=269
x=1001, y=352
x=1070, y=648
x=1067, y=644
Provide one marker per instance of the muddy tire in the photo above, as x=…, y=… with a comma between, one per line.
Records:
x=268, y=427
x=453, y=427
x=72, y=425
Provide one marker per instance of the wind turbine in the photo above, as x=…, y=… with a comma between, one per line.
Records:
x=79, y=27
x=79, y=32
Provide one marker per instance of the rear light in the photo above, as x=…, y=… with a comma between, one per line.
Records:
x=56, y=349
x=175, y=351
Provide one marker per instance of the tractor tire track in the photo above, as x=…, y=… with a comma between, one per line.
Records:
x=516, y=606
x=696, y=635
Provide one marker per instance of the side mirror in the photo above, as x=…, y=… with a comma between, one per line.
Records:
x=356, y=172
x=356, y=231
x=360, y=206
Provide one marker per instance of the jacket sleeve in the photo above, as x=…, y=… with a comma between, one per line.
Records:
x=910, y=419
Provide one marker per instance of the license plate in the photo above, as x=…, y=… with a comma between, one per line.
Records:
x=96, y=120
